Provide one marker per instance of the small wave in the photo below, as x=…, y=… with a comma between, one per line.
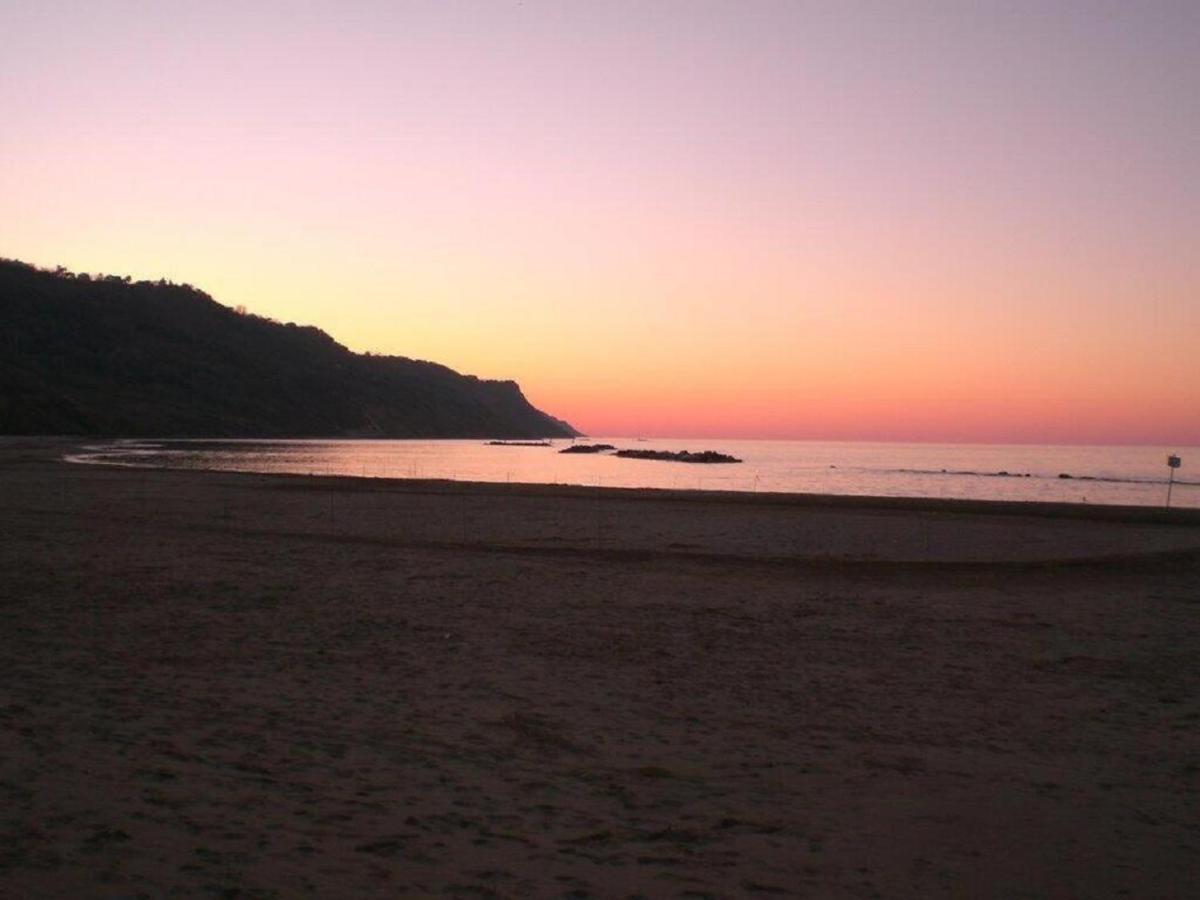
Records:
x=1062, y=476
x=127, y=453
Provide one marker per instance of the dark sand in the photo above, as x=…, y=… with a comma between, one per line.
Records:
x=248, y=686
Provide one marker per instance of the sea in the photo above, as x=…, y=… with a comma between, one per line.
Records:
x=1130, y=476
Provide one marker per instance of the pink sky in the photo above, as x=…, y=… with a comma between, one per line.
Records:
x=909, y=221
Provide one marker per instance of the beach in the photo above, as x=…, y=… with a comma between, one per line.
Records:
x=232, y=685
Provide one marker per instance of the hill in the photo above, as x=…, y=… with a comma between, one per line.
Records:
x=107, y=356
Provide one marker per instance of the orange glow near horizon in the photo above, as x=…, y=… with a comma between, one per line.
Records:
x=702, y=219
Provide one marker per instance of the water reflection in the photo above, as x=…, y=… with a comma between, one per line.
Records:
x=1107, y=475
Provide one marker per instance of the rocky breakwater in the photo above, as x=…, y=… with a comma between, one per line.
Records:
x=704, y=456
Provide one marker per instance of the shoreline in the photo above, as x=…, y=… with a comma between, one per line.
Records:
x=811, y=531
x=59, y=447
x=1187, y=516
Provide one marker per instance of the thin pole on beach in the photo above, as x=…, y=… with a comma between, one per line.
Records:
x=1173, y=463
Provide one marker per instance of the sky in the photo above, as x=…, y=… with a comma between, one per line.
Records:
x=817, y=220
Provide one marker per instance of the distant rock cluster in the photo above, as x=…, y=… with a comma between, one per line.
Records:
x=704, y=456
x=686, y=456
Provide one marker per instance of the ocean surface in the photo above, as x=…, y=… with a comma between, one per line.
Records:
x=1135, y=476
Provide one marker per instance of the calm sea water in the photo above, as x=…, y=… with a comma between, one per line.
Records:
x=1109, y=475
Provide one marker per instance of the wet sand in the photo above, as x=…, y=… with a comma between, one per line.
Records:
x=251, y=686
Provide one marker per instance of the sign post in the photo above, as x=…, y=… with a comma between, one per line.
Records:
x=1173, y=463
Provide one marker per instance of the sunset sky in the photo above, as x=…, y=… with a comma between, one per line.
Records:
x=902, y=221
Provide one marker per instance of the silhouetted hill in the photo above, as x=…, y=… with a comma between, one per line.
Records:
x=83, y=355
